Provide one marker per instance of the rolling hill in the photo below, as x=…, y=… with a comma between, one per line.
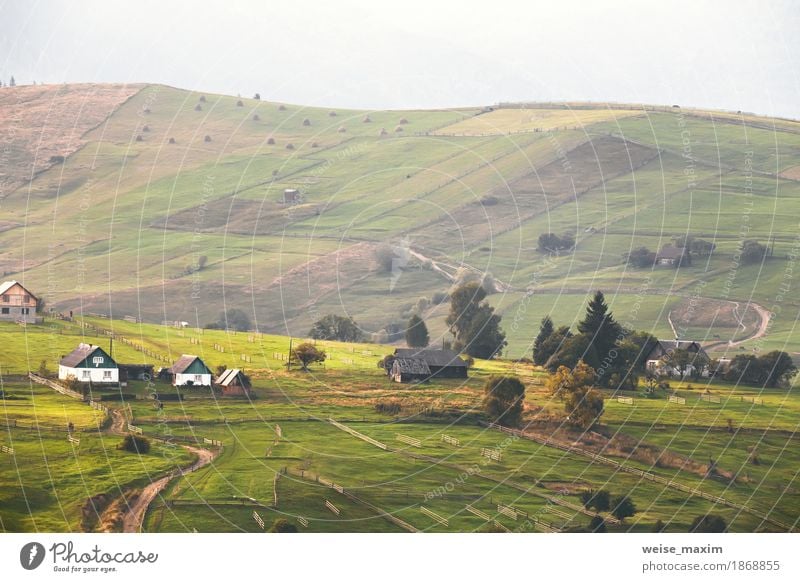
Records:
x=153, y=178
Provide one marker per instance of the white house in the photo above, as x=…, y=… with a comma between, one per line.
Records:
x=190, y=370
x=88, y=363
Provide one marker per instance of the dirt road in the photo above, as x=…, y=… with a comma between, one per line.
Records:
x=132, y=522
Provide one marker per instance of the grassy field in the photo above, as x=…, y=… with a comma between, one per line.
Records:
x=120, y=226
x=46, y=481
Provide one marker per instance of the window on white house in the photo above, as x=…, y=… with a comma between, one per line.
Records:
x=106, y=373
x=86, y=374
x=198, y=378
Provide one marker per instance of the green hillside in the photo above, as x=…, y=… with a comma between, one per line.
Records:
x=655, y=447
x=119, y=227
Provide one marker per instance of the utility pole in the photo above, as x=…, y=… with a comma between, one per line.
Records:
x=289, y=359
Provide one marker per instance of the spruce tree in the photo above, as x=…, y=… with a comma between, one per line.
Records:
x=599, y=325
x=417, y=333
x=545, y=331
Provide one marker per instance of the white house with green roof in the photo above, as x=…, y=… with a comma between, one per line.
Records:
x=190, y=370
x=89, y=363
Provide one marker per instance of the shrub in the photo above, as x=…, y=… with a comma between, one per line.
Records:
x=597, y=525
x=708, y=523
x=282, y=525
x=503, y=400
x=622, y=506
x=306, y=354
x=135, y=444
x=390, y=407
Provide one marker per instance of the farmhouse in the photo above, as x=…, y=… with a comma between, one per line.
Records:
x=190, y=370
x=658, y=358
x=412, y=364
x=17, y=303
x=88, y=363
x=671, y=256
x=233, y=382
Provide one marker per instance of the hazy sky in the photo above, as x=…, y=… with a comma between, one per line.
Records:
x=420, y=53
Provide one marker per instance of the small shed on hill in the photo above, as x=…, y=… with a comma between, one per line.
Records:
x=233, y=382
x=89, y=363
x=190, y=370
x=671, y=256
x=419, y=364
x=291, y=196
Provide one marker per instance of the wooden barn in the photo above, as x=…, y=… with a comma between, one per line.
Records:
x=135, y=372
x=291, y=196
x=190, y=370
x=420, y=364
x=233, y=382
x=88, y=363
x=409, y=370
x=17, y=303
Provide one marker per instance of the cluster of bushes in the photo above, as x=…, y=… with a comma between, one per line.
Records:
x=233, y=319
x=135, y=444
x=553, y=243
x=616, y=354
x=336, y=327
x=770, y=370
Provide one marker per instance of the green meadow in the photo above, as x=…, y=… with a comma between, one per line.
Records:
x=749, y=434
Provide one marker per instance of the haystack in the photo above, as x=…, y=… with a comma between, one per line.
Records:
x=207, y=138
x=342, y=129
x=172, y=140
x=289, y=146
x=256, y=117
x=332, y=114
x=198, y=107
x=398, y=129
x=383, y=131
x=306, y=122
x=403, y=121
x=271, y=141
x=367, y=119
x=239, y=103
x=202, y=98
x=281, y=107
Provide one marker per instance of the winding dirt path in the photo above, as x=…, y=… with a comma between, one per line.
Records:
x=134, y=518
x=764, y=314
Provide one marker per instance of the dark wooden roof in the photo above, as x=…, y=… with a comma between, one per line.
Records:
x=416, y=366
x=436, y=358
x=79, y=354
x=670, y=252
x=184, y=362
x=668, y=346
